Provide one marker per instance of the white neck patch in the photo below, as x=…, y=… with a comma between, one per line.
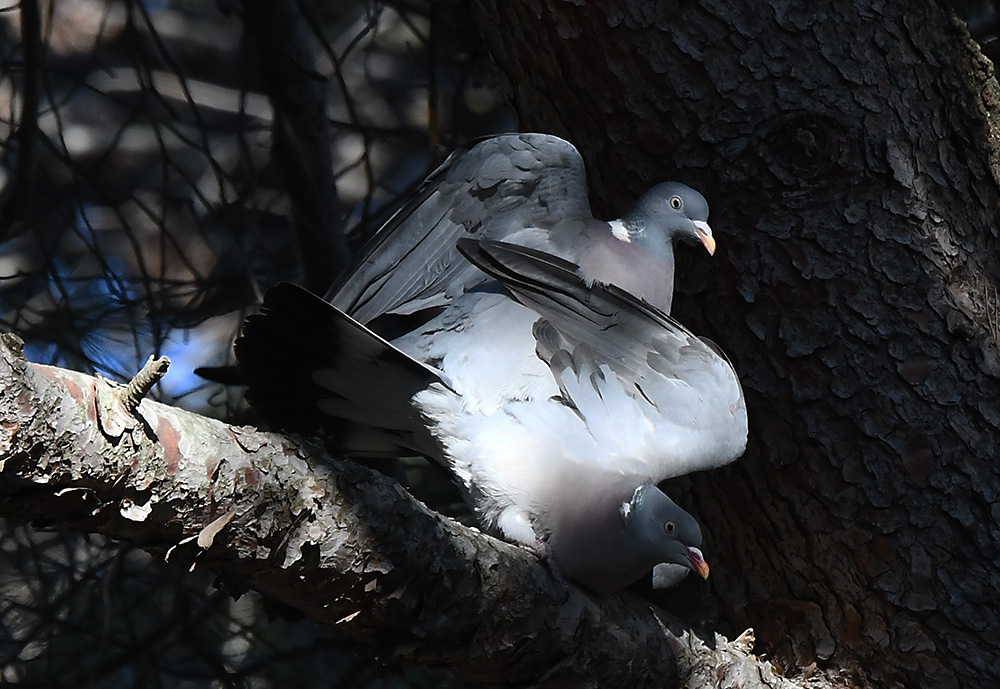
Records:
x=625, y=509
x=619, y=231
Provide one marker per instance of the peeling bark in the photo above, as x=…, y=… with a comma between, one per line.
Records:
x=850, y=154
x=334, y=540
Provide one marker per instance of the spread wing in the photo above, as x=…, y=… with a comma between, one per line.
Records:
x=634, y=374
x=500, y=187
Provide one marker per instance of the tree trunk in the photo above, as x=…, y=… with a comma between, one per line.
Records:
x=851, y=161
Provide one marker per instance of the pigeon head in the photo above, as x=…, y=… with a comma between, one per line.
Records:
x=667, y=212
x=661, y=531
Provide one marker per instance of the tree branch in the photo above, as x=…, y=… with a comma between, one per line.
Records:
x=342, y=544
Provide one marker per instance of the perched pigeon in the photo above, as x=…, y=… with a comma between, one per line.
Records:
x=475, y=359
x=526, y=189
x=556, y=403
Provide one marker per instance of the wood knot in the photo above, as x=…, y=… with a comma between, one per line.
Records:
x=801, y=147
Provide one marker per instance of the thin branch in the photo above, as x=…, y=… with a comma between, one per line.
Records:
x=150, y=374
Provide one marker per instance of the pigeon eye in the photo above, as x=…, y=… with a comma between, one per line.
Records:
x=676, y=203
x=669, y=527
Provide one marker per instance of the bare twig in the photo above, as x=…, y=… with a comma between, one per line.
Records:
x=143, y=382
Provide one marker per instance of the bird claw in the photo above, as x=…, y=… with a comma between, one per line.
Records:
x=544, y=552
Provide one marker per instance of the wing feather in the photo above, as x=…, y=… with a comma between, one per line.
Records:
x=502, y=186
x=626, y=367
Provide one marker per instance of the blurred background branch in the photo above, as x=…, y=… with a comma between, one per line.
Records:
x=13, y=197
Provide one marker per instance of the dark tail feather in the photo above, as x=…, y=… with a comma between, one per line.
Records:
x=223, y=375
x=312, y=369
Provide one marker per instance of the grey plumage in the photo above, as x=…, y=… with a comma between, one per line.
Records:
x=551, y=433
x=527, y=189
x=555, y=394
x=555, y=465
x=313, y=369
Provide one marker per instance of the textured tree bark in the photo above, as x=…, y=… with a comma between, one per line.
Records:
x=851, y=161
x=336, y=541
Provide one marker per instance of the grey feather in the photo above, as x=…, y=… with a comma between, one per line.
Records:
x=529, y=189
x=665, y=369
x=311, y=368
x=502, y=186
x=544, y=371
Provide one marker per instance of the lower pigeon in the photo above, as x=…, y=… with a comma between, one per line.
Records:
x=556, y=402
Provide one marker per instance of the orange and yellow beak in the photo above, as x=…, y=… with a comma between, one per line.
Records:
x=698, y=562
x=704, y=233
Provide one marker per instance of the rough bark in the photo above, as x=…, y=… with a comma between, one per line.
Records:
x=849, y=155
x=336, y=541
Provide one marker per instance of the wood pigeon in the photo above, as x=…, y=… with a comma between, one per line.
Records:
x=556, y=405
x=527, y=189
x=532, y=370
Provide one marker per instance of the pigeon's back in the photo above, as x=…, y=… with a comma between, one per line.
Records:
x=515, y=184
